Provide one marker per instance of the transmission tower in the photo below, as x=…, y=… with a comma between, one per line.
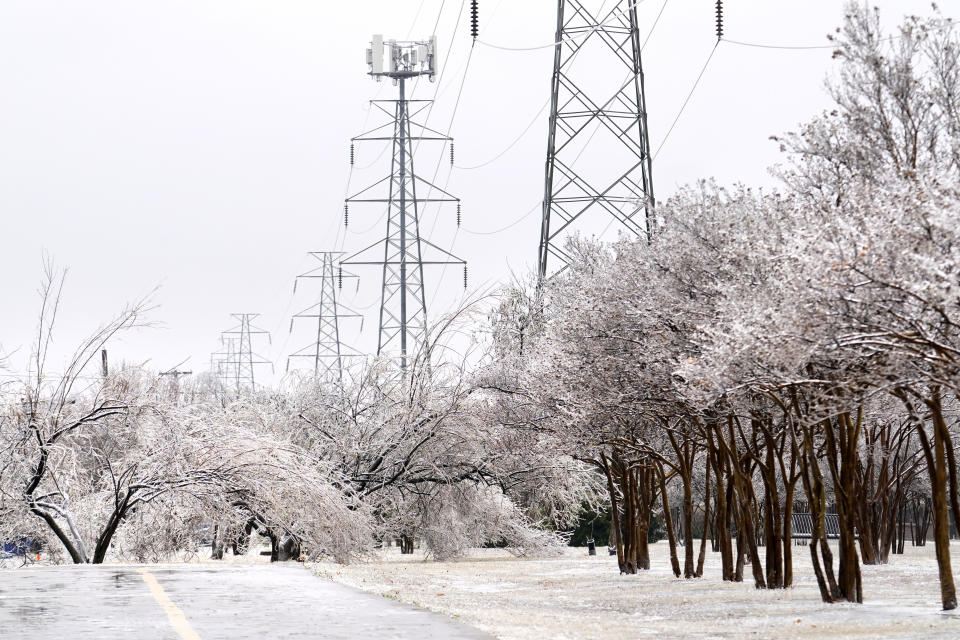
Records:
x=607, y=122
x=326, y=353
x=235, y=365
x=403, y=304
x=221, y=361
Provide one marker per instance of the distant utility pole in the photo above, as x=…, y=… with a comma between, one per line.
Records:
x=587, y=113
x=176, y=374
x=403, y=304
x=235, y=365
x=327, y=351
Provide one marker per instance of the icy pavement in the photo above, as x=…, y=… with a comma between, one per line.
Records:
x=578, y=596
x=206, y=601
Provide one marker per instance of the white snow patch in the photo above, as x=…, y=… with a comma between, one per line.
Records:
x=579, y=596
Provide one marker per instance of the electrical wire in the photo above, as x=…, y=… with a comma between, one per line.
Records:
x=453, y=116
x=416, y=17
x=509, y=226
x=510, y=146
x=654, y=26
x=564, y=40
x=529, y=126
x=456, y=233
x=687, y=100
x=371, y=227
x=787, y=47
x=375, y=160
x=536, y=118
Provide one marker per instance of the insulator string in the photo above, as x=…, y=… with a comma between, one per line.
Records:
x=719, y=20
x=474, y=19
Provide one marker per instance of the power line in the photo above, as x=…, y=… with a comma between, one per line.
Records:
x=654, y=26
x=509, y=226
x=515, y=141
x=510, y=146
x=453, y=116
x=416, y=17
x=687, y=101
x=546, y=104
x=789, y=47
x=575, y=38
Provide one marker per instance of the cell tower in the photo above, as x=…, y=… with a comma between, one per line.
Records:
x=326, y=353
x=618, y=182
x=235, y=365
x=403, y=304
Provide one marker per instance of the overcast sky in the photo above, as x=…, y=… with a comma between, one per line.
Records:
x=202, y=146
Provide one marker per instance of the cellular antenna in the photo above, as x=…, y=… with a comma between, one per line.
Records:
x=402, y=253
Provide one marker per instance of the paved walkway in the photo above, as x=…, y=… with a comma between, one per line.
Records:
x=203, y=602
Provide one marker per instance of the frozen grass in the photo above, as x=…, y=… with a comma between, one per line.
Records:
x=578, y=596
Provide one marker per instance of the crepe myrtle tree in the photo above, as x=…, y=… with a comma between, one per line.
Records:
x=878, y=288
x=84, y=458
x=417, y=446
x=81, y=453
x=69, y=454
x=883, y=169
x=573, y=386
x=769, y=382
x=42, y=413
x=757, y=340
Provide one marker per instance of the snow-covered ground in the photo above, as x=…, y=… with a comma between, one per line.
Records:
x=578, y=596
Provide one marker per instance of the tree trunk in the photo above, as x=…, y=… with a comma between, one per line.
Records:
x=788, y=535
x=62, y=536
x=841, y=452
x=816, y=500
x=937, y=470
x=668, y=520
x=706, y=520
x=217, y=544
x=643, y=485
x=106, y=536
x=614, y=513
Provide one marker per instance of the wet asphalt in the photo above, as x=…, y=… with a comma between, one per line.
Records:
x=276, y=601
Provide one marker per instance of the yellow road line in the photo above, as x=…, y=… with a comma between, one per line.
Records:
x=177, y=620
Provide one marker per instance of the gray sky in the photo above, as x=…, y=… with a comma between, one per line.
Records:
x=202, y=146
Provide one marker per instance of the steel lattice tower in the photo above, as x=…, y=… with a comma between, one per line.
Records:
x=327, y=351
x=235, y=365
x=222, y=363
x=403, y=304
x=621, y=184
